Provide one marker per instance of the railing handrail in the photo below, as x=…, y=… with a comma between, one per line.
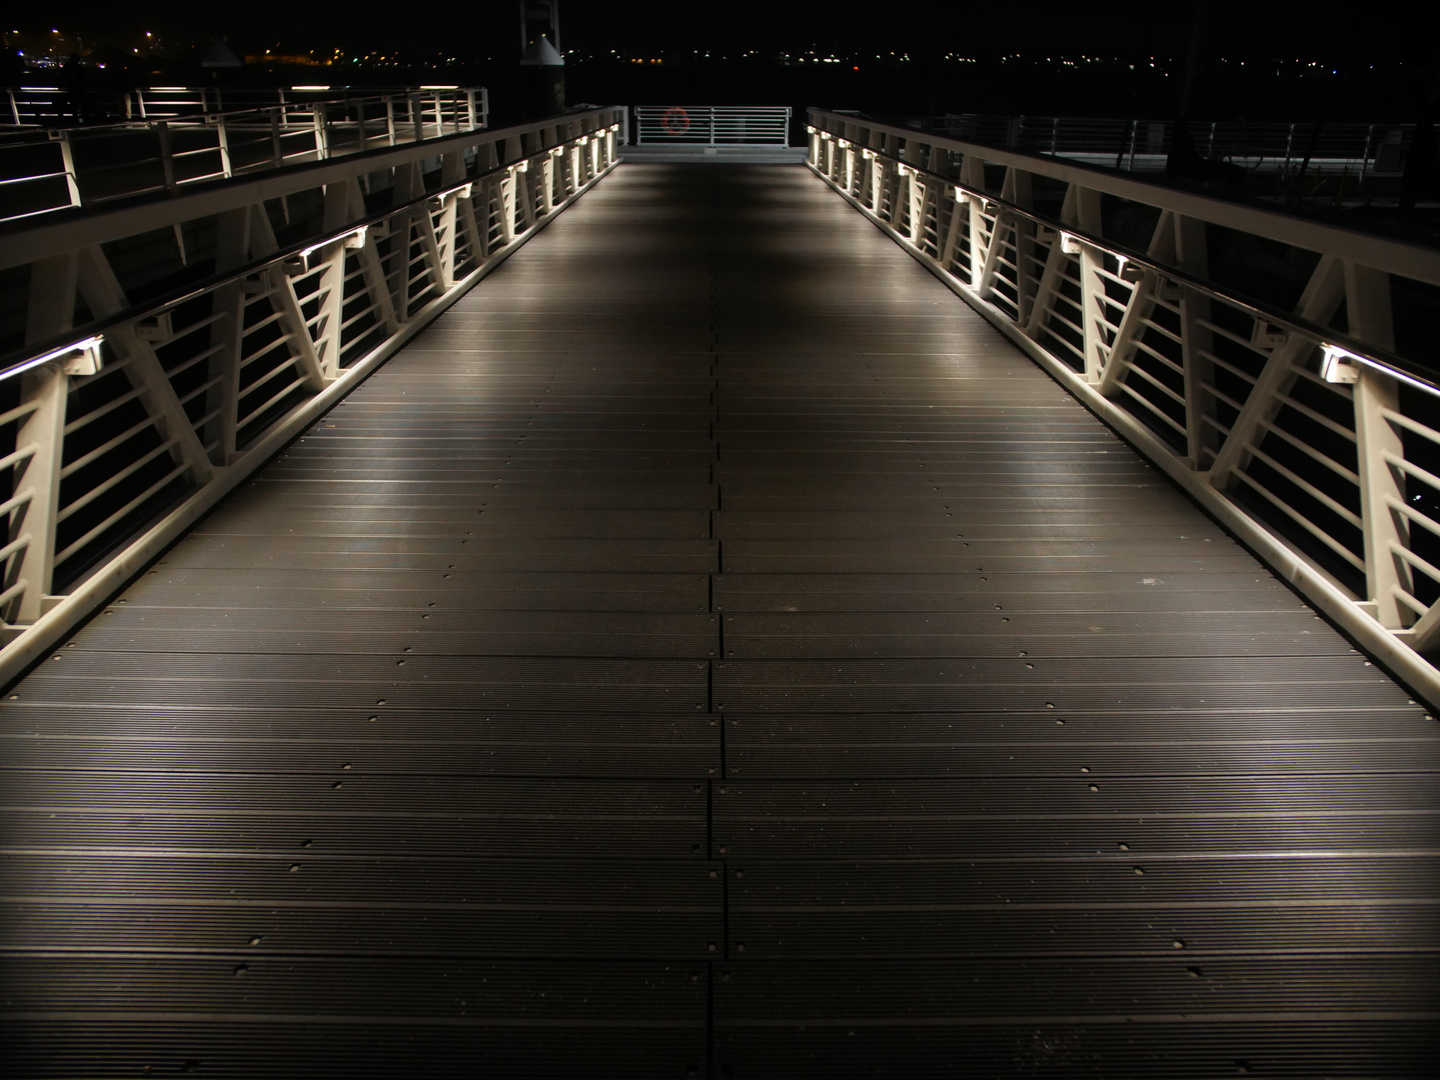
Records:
x=204, y=119
x=22, y=360
x=227, y=370
x=1313, y=445
x=224, y=145
x=716, y=124
x=1408, y=259
x=1389, y=362
x=111, y=222
x=309, y=97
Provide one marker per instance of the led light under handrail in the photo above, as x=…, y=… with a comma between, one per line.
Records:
x=352, y=240
x=81, y=358
x=1137, y=266
x=1339, y=365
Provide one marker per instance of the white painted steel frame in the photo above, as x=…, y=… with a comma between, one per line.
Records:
x=1139, y=338
x=456, y=234
x=713, y=125
x=292, y=132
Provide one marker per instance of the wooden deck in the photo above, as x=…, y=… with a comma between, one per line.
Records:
x=711, y=650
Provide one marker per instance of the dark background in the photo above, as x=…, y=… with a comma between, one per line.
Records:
x=1374, y=61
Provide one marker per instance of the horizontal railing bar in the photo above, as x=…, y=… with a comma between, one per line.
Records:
x=119, y=478
x=180, y=369
x=1414, y=603
x=1152, y=408
x=1412, y=469
x=120, y=514
x=9, y=416
x=1426, y=567
x=1319, y=418
x=13, y=591
x=1215, y=392
x=1310, y=489
x=1381, y=359
x=18, y=544
x=253, y=413
x=24, y=453
x=1153, y=325
x=1260, y=353
x=1395, y=504
x=1244, y=376
x=20, y=498
x=104, y=448
x=14, y=363
x=1134, y=369
x=265, y=350
x=1317, y=455
x=1160, y=358
x=1304, y=522
x=202, y=388
x=102, y=410
x=1389, y=414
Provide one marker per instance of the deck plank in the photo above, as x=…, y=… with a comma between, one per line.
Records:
x=710, y=649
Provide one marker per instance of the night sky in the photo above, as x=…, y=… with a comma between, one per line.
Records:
x=1380, y=30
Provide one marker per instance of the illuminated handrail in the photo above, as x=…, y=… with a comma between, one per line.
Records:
x=1313, y=444
x=189, y=392
x=227, y=144
x=1382, y=360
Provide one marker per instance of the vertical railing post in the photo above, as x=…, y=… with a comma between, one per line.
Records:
x=167, y=160
x=227, y=334
x=1368, y=309
x=390, y=118
x=1192, y=257
x=972, y=175
x=67, y=161
x=1084, y=214
x=222, y=136
x=317, y=116
x=51, y=311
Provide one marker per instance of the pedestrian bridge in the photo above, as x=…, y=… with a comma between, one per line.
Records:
x=708, y=645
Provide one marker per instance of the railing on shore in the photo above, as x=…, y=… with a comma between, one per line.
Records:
x=116, y=434
x=169, y=147
x=712, y=125
x=1300, y=425
x=1359, y=150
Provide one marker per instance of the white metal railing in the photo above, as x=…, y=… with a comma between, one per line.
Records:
x=713, y=125
x=1356, y=149
x=39, y=106
x=168, y=147
x=117, y=434
x=1319, y=447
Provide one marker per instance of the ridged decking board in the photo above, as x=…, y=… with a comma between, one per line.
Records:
x=711, y=650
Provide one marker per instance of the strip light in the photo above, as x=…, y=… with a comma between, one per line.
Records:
x=81, y=358
x=353, y=239
x=1339, y=365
